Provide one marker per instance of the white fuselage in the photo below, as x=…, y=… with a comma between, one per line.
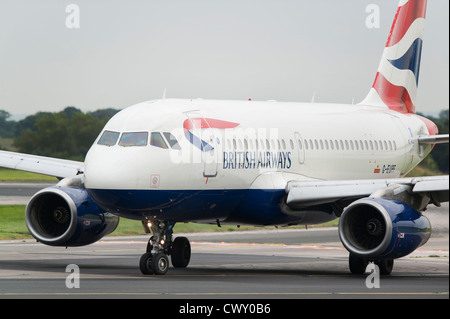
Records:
x=307, y=141
x=269, y=144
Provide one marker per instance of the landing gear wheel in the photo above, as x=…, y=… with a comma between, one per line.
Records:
x=160, y=246
x=145, y=264
x=160, y=264
x=181, y=252
x=386, y=266
x=357, y=264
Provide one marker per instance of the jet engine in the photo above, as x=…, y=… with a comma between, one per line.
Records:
x=66, y=216
x=379, y=228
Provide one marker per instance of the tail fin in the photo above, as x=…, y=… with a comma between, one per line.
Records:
x=396, y=82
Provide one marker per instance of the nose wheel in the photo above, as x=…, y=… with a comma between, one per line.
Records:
x=155, y=261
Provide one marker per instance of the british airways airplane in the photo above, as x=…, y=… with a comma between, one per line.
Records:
x=258, y=163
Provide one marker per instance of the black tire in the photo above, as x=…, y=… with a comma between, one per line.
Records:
x=181, y=252
x=160, y=264
x=357, y=264
x=386, y=266
x=145, y=264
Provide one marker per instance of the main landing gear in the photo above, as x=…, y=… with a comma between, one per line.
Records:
x=358, y=265
x=160, y=246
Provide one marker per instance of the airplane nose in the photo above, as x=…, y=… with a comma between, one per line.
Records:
x=111, y=168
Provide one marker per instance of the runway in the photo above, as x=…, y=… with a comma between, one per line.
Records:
x=225, y=269
x=269, y=264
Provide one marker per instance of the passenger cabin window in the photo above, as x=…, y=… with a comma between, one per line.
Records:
x=134, y=139
x=172, y=140
x=157, y=140
x=108, y=138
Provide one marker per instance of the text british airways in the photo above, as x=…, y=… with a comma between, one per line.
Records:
x=251, y=160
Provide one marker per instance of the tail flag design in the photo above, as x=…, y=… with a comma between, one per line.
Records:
x=397, y=79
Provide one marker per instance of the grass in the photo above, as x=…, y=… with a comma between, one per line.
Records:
x=12, y=222
x=13, y=226
x=8, y=175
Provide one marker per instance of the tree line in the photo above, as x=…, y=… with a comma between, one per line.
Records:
x=70, y=133
x=440, y=151
x=67, y=134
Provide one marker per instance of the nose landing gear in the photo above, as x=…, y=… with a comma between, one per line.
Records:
x=160, y=246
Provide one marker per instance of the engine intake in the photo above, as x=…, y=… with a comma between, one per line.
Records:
x=66, y=216
x=382, y=228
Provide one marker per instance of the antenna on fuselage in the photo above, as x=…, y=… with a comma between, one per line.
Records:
x=313, y=99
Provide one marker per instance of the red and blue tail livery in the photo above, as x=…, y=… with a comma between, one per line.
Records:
x=397, y=79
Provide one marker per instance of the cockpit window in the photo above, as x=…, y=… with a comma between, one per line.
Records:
x=134, y=139
x=157, y=140
x=172, y=141
x=108, y=138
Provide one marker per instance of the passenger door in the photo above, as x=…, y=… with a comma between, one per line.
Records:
x=205, y=141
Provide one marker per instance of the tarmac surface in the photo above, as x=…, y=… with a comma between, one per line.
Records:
x=267, y=264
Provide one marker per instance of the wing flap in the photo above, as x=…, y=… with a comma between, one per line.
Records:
x=59, y=168
x=437, y=189
x=431, y=184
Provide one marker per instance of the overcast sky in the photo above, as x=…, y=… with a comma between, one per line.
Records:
x=125, y=52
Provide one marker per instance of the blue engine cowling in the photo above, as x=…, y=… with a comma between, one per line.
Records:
x=377, y=228
x=66, y=216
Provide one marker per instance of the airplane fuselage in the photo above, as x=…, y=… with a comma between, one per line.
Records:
x=230, y=161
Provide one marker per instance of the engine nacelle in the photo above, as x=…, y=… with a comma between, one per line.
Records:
x=377, y=228
x=66, y=216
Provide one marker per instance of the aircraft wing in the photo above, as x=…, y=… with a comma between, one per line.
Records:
x=304, y=194
x=59, y=168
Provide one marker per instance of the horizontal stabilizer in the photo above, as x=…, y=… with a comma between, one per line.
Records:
x=434, y=139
